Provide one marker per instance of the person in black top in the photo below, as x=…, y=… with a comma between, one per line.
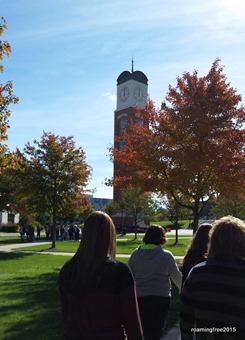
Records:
x=97, y=293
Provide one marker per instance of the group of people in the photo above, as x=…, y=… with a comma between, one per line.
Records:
x=27, y=233
x=105, y=299
x=63, y=232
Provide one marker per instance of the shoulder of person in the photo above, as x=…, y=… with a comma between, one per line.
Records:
x=167, y=253
x=198, y=268
x=118, y=265
x=122, y=271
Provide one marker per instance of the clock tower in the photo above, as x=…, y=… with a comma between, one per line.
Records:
x=132, y=92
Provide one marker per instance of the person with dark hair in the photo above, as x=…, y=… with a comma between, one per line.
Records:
x=213, y=294
x=98, y=299
x=153, y=267
x=198, y=249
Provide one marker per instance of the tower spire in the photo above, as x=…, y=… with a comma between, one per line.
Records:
x=132, y=64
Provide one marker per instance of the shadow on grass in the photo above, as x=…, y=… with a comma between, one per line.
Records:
x=29, y=303
x=177, y=244
x=5, y=241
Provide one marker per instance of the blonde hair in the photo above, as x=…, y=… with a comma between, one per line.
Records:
x=227, y=240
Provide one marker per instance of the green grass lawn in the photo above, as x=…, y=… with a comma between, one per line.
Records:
x=29, y=301
x=124, y=245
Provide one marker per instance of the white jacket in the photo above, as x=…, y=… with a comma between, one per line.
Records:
x=153, y=267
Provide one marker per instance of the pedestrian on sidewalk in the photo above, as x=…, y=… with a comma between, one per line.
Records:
x=213, y=295
x=152, y=268
x=97, y=293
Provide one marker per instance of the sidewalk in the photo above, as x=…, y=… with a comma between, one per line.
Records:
x=172, y=334
x=14, y=248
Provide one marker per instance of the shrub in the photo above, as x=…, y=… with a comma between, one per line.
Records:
x=9, y=228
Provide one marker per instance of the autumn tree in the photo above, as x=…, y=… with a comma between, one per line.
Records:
x=193, y=147
x=7, y=98
x=52, y=177
x=84, y=214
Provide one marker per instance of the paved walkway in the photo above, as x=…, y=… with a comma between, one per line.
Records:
x=172, y=334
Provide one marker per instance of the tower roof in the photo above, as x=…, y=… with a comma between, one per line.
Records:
x=135, y=75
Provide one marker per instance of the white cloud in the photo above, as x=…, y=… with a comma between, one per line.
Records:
x=110, y=97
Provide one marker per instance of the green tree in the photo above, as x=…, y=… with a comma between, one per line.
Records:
x=234, y=207
x=111, y=207
x=137, y=205
x=52, y=178
x=175, y=212
x=84, y=214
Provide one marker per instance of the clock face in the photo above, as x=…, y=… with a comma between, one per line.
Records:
x=139, y=93
x=124, y=93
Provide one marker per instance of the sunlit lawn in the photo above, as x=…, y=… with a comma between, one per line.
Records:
x=124, y=245
x=29, y=301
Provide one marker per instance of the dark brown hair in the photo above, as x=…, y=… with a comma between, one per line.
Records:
x=198, y=248
x=155, y=234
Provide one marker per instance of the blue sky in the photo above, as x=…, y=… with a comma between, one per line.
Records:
x=67, y=56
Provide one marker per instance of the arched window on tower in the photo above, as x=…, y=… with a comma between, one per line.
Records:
x=122, y=126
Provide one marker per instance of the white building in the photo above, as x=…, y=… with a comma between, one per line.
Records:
x=9, y=217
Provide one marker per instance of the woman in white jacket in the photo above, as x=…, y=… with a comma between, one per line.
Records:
x=152, y=268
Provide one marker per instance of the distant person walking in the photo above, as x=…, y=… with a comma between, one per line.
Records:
x=213, y=295
x=98, y=299
x=152, y=268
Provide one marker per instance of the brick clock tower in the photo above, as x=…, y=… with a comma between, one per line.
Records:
x=132, y=92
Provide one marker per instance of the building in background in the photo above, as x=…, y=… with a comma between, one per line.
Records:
x=98, y=203
x=132, y=92
x=8, y=217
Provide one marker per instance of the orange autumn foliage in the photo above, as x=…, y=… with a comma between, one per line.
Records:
x=193, y=147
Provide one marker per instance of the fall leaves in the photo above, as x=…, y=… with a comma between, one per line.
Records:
x=193, y=147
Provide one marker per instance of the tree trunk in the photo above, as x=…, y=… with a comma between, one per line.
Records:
x=54, y=229
x=195, y=217
x=135, y=229
x=176, y=233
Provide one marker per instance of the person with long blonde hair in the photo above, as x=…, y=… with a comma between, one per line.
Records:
x=97, y=293
x=213, y=294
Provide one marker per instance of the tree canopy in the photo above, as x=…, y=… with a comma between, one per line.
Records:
x=52, y=177
x=7, y=97
x=193, y=146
